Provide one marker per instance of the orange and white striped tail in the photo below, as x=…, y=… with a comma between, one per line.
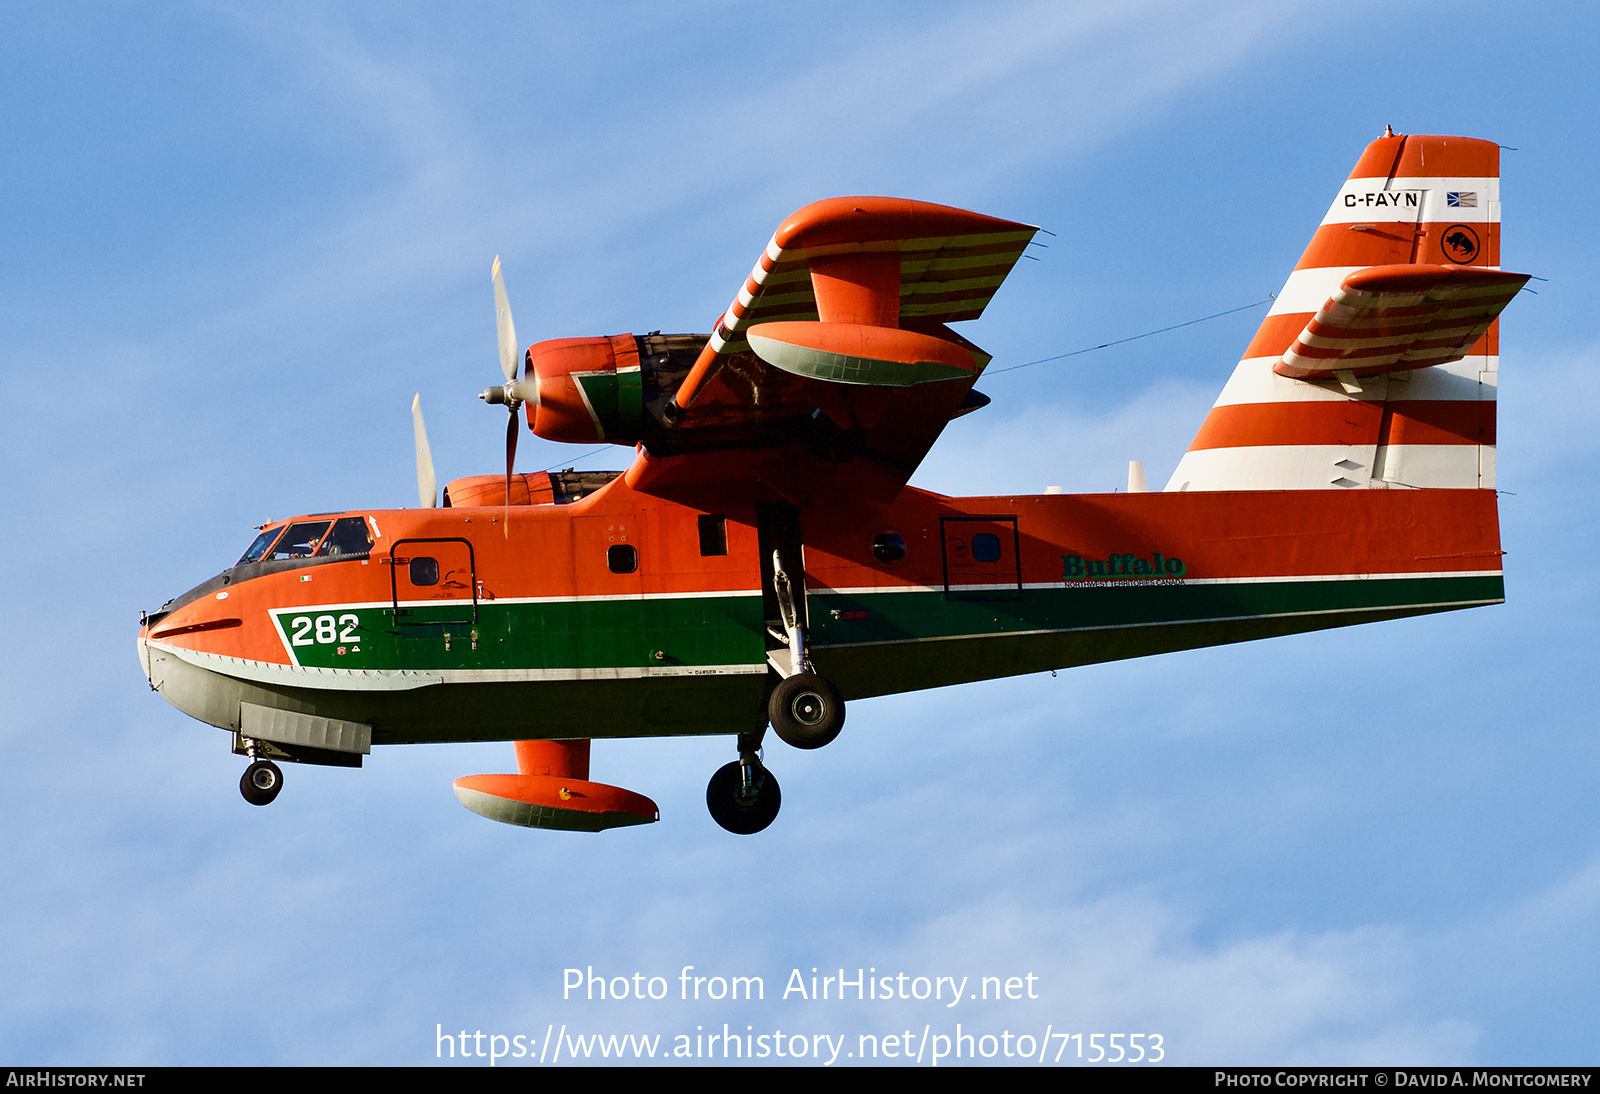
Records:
x=1362, y=377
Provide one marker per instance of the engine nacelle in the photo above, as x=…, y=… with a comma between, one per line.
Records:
x=600, y=390
x=536, y=488
x=591, y=390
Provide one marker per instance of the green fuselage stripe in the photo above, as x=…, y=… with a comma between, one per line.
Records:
x=728, y=630
x=1110, y=604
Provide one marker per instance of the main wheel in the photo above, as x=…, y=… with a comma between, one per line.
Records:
x=261, y=782
x=806, y=710
x=730, y=808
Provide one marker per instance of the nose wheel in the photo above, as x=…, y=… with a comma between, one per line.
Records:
x=261, y=782
x=743, y=796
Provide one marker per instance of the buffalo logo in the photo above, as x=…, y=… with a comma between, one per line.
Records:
x=1078, y=568
x=1460, y=243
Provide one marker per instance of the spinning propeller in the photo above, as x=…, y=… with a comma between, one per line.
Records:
x=514, y=392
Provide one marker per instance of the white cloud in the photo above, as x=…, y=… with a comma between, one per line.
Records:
x=1126, y=963
x=680, y=151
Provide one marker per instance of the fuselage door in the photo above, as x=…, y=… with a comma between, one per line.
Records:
x=982, y=558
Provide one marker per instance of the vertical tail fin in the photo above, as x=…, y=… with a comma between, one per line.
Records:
x=1380, y=415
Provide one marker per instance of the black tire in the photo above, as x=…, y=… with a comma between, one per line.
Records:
x=261, y=782
x=742, y=818
x=806, y=710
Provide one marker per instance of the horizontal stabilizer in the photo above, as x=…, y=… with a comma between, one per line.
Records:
x=1392, y=318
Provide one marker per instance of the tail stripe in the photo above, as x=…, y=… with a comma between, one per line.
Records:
x=1420, y=422
x=1362, y=201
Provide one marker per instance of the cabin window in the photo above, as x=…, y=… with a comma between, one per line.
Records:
x=300, y=540
x=713, y=534
x=258, y=548
x=424, y=571
x=889, y=547
x=986, y=547
x=350, y=538
x=622, y=559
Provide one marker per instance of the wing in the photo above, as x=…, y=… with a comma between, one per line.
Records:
x=1391, y=318
x=834, y=363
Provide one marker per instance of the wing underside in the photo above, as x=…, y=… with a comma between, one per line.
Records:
x=835, y=360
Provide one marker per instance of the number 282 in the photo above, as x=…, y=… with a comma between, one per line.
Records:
x=324, y=630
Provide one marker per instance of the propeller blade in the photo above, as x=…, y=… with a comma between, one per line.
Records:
x=511, y=449
x=510, y=353
x=511, y=461
x=427, y=483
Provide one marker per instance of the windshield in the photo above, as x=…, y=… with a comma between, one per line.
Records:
x=348, y=539
x=300, y=540
x=258, y=548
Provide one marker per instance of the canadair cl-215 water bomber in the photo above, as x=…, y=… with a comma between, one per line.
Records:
x=762, y=561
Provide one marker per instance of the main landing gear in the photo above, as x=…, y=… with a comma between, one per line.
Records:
x=804, y=709
x=262, y=780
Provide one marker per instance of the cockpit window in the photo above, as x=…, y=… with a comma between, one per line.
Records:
x=350, y=538
x=258, y=549
x=300, y=541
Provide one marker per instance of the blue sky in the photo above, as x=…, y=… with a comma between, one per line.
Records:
x=238, y=238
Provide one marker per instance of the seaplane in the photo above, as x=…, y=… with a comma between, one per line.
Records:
x=762, y=563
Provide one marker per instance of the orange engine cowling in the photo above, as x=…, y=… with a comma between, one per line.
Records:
x=591, y=390
x=535, y=488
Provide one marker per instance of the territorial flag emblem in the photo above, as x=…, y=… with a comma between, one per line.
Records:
x=1457, y=199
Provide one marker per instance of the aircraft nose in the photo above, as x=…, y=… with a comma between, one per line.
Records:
x=147, y=624
x=142, y=646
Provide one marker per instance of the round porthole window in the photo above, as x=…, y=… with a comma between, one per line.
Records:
x=986, y=547
x=622, y=559
x=889, y=547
